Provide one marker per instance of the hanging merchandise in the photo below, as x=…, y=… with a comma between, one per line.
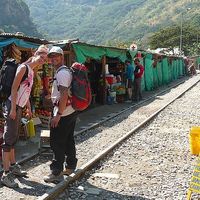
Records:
x=15, y=53
x=36, y=91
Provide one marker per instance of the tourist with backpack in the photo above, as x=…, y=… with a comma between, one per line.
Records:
x=12, y=111
x=63, y=120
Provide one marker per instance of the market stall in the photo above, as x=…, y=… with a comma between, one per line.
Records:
x=106, y=70
x=21, y=48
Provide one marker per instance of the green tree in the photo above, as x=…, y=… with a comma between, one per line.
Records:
x=169, y=38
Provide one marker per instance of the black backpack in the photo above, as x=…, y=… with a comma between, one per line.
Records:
x=7, y=75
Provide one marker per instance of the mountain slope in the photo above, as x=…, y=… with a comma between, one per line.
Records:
x=102, y=21
x=15, y=17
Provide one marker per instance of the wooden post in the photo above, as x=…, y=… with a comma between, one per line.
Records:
x=104, y=79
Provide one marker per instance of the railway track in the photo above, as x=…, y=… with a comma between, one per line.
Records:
x=106, y=136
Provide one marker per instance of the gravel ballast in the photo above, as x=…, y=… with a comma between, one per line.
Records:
x=155, y=163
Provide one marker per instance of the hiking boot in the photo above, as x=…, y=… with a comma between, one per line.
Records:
x=16, y=170
x=68, y=171
x=8, y=180
x=51, y=178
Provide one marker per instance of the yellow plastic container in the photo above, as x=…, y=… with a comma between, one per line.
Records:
x=31, y=128
x=194, y=138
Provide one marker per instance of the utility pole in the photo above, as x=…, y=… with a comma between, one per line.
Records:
x=181, y=35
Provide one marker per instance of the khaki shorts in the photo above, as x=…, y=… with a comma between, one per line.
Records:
x=11, y=127
x=129, y=83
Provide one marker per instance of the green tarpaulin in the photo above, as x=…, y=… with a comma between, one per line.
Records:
x=143, y=79
x=165, y=71
x=159, y=73
x=148, y=75
x=116, y=53
x=132, y=53
x=175, y=68
x=198, y=60
x=155, y=77
x=83, y=51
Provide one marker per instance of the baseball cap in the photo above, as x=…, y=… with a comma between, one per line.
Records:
x=56, y=50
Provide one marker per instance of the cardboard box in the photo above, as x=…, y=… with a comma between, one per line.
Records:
x=45, y=138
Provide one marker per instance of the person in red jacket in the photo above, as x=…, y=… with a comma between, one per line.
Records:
x=138, y=73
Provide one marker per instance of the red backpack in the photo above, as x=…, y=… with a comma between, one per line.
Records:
x=80, y=87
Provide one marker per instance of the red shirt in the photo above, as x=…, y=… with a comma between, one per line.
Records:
x=139, y=70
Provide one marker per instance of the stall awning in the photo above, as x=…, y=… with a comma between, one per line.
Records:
x=83, y=51
x=132, y=53
x=18, y=42
x=121, y=54
x=198, y=60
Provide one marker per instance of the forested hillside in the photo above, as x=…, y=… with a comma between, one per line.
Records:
x=15, y=17
x=110, y=21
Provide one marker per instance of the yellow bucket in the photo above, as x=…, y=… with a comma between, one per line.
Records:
x=194, y=138
x=31, y=128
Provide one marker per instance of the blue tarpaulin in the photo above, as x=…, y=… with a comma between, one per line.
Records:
x=18, y=42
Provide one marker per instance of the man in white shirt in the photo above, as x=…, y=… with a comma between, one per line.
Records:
x=63, y=121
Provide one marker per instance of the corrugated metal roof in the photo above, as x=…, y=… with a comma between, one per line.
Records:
x=26, y=38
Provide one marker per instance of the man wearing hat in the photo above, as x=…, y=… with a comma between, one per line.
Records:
x=63, y=120
x=138, y=73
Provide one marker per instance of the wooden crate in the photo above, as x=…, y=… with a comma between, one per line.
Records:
x=120, y=98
